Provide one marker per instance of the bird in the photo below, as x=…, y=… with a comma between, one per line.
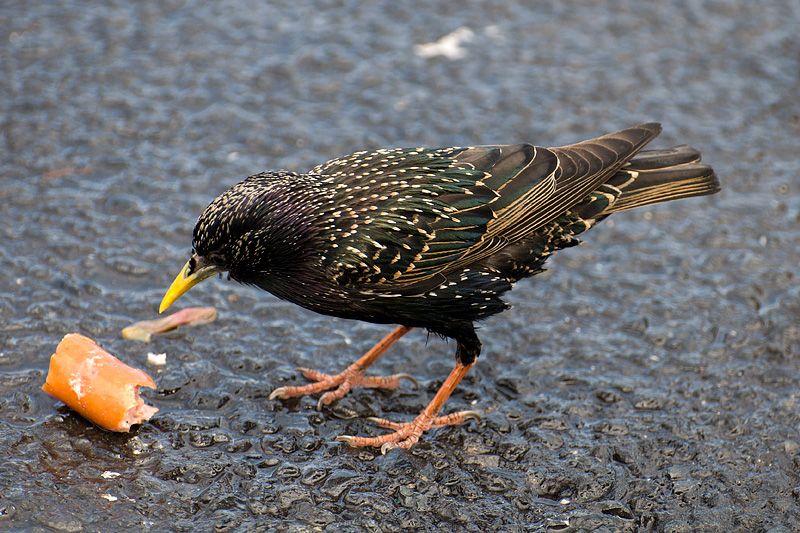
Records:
x=425, y=238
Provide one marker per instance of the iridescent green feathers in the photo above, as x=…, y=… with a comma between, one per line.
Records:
x=399, y=217
x=400, y=213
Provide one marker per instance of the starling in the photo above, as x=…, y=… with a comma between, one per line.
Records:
x=425, y=238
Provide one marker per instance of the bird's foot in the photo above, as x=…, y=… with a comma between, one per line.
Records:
x=406, y=434
x=352, y=376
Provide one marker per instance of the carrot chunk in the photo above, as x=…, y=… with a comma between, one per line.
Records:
x=97, y=385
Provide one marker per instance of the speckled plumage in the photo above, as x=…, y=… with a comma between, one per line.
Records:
x=432, y=238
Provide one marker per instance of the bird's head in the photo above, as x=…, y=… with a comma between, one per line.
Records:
x=253, y=230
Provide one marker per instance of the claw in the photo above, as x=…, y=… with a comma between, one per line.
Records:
x=331, y=396
x=394, y=445
x=278, y=393
x=347, y=439
x=408, y=377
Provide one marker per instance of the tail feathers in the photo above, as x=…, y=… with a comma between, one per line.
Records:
x=655, y=176
x=659, y=159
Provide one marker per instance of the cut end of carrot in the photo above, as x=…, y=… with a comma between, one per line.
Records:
x=97, y=385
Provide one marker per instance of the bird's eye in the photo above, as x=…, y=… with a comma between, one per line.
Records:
x=217, y=258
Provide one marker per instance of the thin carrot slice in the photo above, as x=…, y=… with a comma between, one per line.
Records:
x=97, y=385
x=191, y=316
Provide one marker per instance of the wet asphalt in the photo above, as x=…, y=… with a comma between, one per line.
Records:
x=649, y=381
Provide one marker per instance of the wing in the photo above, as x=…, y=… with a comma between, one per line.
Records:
x=402, y=219
x=580, y=169
x=400, y=216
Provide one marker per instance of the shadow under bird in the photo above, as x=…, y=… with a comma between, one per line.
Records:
x=425, y=238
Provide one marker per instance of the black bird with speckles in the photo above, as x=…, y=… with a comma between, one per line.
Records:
x=428, y=238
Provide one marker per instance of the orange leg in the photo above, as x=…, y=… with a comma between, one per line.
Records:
x=352, y=376
x=408, y=433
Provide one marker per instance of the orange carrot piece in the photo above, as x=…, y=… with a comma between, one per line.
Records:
x=97, y=385
x=191, y=316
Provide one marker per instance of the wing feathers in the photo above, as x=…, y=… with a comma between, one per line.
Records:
x=449, y=208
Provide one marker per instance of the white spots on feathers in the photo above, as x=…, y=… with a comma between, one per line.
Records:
x=399, y=193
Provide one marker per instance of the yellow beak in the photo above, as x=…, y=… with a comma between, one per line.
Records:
x=193, y=272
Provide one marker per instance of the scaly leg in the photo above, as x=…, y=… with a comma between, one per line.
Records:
x=408, y=433
x=352, y=376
